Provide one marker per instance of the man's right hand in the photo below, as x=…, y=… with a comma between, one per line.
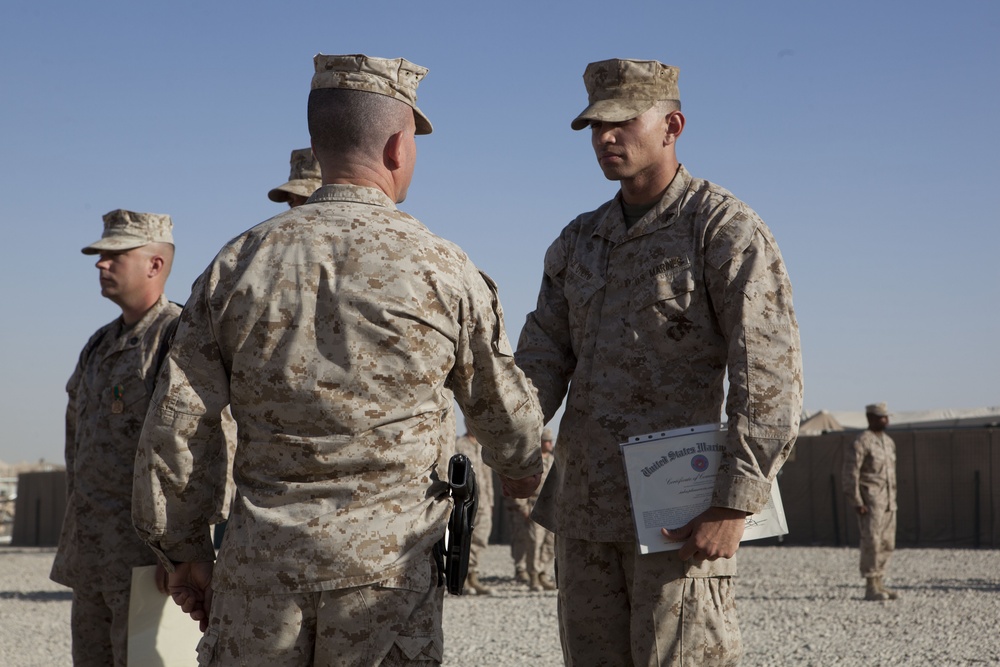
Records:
x=862, y=509
x=190, y=586
x=520, y=488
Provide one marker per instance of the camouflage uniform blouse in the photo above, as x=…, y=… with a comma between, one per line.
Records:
x=340, y=333
x=641, y=326
x=108, y=396
x=869, y=475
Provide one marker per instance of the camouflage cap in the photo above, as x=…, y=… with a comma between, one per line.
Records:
x=304, y=179
x=619, y=90
x=877, y=409
x=396, y=78
x=547, y=435
x=124, y=230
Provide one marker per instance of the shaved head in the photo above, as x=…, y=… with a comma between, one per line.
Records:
x=353, y=123
x=164, y=250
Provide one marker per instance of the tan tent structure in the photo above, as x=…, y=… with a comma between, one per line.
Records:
x=820, y=423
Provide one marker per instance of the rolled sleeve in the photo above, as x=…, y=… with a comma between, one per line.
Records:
x=753, y=298
x=181, y=460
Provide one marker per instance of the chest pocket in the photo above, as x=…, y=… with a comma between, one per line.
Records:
x=880, y=462
x=580, y=290
x=668, y=294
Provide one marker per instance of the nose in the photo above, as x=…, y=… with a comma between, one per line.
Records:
x=603, y=133
x=103, y=263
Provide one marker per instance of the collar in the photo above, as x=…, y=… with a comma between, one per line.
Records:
x=146, y=320
x=356, y=194
x=663, y=214
x=129, y=336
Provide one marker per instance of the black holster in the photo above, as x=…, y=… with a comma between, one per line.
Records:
x=458, y=541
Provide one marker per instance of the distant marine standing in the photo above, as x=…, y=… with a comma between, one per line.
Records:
x=869, y=479
x=303, y=180
x=539, y=548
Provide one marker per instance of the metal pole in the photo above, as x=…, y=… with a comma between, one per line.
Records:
x=975, y=510
x=833, y=506
x=38, y=521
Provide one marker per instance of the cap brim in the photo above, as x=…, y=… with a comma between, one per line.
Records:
x=423, y=124
x=611, y=111
x=301, y=187
x=115, y=243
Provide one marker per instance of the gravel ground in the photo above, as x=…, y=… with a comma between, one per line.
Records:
x=799, y=606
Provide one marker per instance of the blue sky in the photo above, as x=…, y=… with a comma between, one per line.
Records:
x=865, y=134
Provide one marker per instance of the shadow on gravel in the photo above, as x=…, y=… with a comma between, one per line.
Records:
x=809, y=597
x=37, y=596
x=981, y=585
x=813, y=593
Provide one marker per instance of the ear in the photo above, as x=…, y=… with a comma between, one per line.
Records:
x=394, y=153
x=674, y=127
x=156, y=264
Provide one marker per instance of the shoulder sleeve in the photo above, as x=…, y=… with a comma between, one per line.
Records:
x=545, y=346
x=496, y=399
x=734, y=236
x=72, y=392
x=854, y=457
x=555, y=259
x=751, y=295
x=181, y=459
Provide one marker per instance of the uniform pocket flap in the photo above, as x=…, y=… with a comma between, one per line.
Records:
x=663, y=287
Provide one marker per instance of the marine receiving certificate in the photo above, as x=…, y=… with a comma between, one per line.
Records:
x=671, y=476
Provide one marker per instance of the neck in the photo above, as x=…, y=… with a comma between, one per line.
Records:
x=133, y=312
x=347, y=172
x=647, y=187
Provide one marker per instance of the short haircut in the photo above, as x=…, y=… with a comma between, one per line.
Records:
x=353, y=122
x=667, y=106
x=164, y=250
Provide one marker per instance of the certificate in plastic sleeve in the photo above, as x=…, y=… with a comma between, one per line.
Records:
x=671, y=476
x=159, y=632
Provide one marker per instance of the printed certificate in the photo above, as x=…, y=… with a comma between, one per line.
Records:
x=671, y=476
x=160, y=634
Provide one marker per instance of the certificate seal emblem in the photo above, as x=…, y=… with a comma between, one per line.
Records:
x=699, y=463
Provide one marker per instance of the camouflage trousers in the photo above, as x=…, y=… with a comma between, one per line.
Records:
x=619, y=608
x=481, y=531
x=520, y=542
x=878, y=540
x=99, y=622
x=394, y=622
x=541, y=549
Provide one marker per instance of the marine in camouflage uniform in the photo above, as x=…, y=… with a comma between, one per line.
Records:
x=869, y=479
x=109, y=393
x=468, y=445
x=303, y=179
x=341, y=333
x=540, y=549
x=520, y=541
x=646, y=303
